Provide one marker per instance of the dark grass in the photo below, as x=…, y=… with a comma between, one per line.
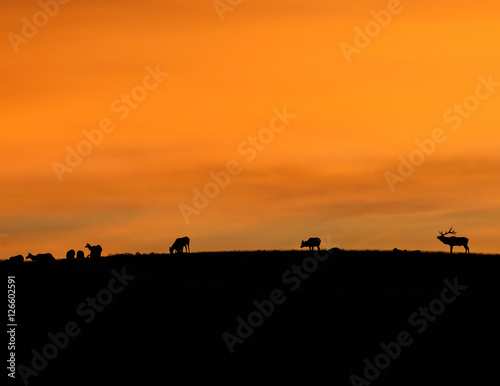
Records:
x=166, y=326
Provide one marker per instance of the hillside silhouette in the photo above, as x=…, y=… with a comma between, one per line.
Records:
x=166, y=325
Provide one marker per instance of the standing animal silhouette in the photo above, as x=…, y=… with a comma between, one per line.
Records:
x=95, y=250
x=453, y=241
x=311, y=243
x=179, y=244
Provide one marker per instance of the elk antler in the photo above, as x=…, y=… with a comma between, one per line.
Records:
x=450, y=231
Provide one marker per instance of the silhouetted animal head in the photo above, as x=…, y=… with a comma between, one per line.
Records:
x=311, y=243
x=454, y=241
x=443, y=238
x=41, y=257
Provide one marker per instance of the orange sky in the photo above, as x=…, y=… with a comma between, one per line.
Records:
x=324, y=173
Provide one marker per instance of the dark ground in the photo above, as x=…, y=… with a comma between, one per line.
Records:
x=166, y=326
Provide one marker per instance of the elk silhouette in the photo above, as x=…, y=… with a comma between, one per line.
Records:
x=41, y=258
x=311, y=243
x=95, y=251
x=453, y=241
x=179, y=245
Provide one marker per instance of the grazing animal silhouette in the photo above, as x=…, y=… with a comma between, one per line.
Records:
x=17, y=259
x=179, y=244
x=311, y=243
x=41, y=258
x=95, y=250
x=80, y=256
x=70, y=255
x=454, y=241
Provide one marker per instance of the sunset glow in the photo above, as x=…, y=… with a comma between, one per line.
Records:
x=252, y=126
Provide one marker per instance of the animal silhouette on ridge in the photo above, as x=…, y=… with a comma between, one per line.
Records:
x=179, y=244
x=17, y=259
x=80, y=256
x=95, y=250
x=311, y=243
x=70, y=255
x=453, y=241
x=41, y=258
